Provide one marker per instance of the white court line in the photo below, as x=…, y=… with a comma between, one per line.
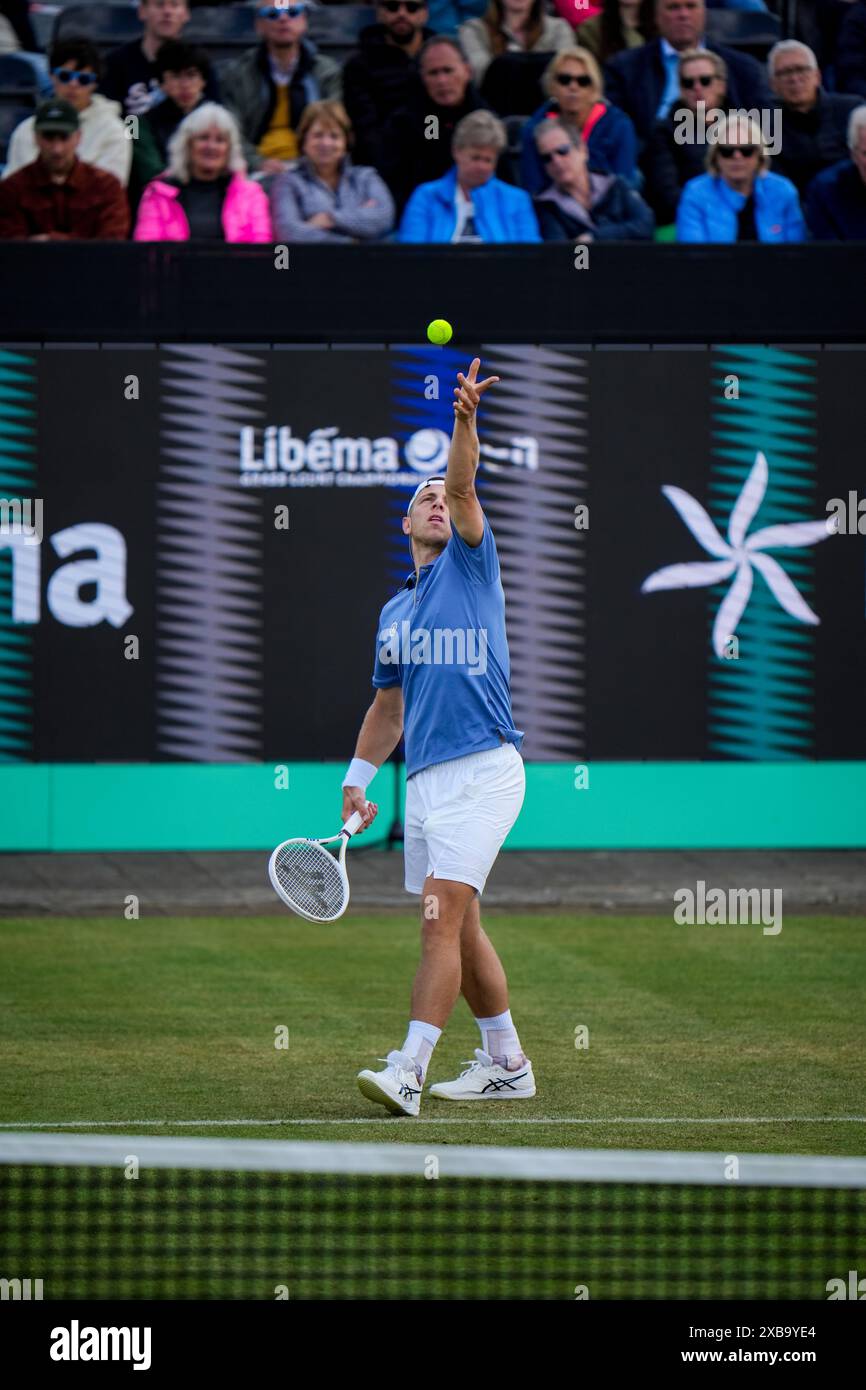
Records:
x=25, y=1125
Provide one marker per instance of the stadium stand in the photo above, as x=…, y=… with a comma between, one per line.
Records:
x=222, y=30
x=512, y=87
x=749, y=31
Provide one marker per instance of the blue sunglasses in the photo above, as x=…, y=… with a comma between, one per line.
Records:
x=65, y=75
x=277, y=11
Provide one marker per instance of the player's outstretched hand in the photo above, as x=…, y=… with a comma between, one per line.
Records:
x=469, y=392
x=355, y=800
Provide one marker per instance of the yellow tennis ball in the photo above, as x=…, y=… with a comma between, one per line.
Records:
x=439, y=331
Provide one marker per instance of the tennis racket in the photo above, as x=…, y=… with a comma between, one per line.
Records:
x=309, y=878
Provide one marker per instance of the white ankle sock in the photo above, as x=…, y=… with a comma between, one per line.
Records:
x=499, y=1038
x=420, y=1042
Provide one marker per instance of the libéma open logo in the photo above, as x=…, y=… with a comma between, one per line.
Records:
x=275, y=457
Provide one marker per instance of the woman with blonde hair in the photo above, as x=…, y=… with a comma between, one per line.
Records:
x=575, y=90
x=738, y=199
x=204, y=194
x=512, y=26
x=323, y=196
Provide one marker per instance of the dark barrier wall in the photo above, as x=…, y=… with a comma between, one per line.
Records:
x=220, y=527
x=626, y=293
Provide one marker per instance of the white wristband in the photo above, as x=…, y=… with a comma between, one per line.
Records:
x=359, y=773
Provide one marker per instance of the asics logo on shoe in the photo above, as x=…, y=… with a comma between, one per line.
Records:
x=503, y=1082
x=406, y=1092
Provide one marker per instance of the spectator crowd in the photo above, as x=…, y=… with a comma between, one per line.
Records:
x=454, y=121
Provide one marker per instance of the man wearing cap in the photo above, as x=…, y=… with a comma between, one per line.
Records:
x=58, y=197
x=441, y=677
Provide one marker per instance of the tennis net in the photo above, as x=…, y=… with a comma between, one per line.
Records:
x=99, y=1217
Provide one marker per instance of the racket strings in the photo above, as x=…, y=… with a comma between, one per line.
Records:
x=311, y=877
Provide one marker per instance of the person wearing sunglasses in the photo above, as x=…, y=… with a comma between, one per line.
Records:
x=645, y=82
x=469, y=204
x=814, y=123
x=382, y=74
x=267, y=88
x=575, y=90
x=738, y=199
x=512, y=26
x=76, y=68
x=130, y=70
x=670, y=161
x=581, y=204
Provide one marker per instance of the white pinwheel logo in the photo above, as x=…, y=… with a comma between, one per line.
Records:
x=738, y=555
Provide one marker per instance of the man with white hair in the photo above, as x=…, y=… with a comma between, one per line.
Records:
x=835, y=205
x=813, y=122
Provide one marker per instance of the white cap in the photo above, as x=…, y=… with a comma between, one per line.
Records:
x=428, y=482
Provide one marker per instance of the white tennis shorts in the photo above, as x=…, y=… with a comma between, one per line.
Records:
x=458, y=814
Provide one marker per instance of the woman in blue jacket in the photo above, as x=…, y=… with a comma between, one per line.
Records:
x=574, y=84
x=738, y=199
x=470, y=204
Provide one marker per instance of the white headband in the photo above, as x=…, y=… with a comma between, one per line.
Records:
x=428, y=482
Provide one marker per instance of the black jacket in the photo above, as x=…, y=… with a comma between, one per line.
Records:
x=130, y=78
x=668, y=166
x=409, y=157
x=814, y=141
x=377, y=80
x=619, y=215
x=635, y=82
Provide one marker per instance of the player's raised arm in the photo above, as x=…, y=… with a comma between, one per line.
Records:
x=463, y=505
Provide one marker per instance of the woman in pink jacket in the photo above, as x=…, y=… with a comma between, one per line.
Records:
x=204, y=194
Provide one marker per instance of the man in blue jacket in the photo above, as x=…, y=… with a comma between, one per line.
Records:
x=644, y=82
x=469, y=204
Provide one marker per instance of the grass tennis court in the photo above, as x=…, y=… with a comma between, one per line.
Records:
x=115, y=1022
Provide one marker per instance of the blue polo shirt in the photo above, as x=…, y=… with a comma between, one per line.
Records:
x=443, y=640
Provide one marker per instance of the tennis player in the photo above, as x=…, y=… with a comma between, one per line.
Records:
x=442, y=677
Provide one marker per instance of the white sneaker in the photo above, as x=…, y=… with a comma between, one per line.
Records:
x=485, y=1079
x=397, y=1087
